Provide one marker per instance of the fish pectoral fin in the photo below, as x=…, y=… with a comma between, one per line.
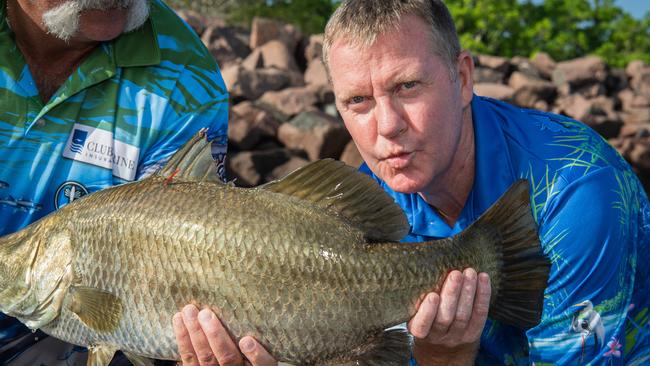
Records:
x=389, y=348
x=100, y=355
x=138, y=360
x=98, y=309
x=193, y=162
x=338, y=187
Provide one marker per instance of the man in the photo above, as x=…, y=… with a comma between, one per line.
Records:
x=404, y=90
x=93, y=93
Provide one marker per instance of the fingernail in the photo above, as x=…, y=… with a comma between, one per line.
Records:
x=205, y=315
x=178, y=319
x=246, y=344
x=190, y=311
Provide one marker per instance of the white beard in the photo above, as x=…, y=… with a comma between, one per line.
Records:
x=62, y=21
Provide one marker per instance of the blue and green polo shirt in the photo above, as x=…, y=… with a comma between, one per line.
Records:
x=131, y=104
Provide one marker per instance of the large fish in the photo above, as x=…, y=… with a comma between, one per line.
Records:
x=308, y=265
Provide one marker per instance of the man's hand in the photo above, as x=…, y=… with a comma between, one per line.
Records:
x=447, y=327
x=203, y=341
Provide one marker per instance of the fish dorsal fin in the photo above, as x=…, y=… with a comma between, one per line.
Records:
x=193, y=162
x=98, y=309
x=100, y=355
x=338, y=187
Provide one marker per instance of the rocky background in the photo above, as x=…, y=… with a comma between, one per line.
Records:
x=283, y=113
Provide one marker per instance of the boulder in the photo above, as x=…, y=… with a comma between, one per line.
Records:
x=316, y=133
x=529, y=90
x=487, y=75
x=291, y=165
x=526, y=67
x=641, y=82
x=495, y=90
x=249, y=168
x=248, y=125
x=264, y=30
x=640, y=154
x=290, y=101
x=579, y=72
x=314, y=48
x=276, y=54
x=252, y=84
x=351, y=155
x=317, y=80
x=634, y=68
x=636, y=115
x=499, y=64
x=544, y=64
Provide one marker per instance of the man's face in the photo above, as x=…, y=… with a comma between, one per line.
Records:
x=400, y=104
x=88, y=20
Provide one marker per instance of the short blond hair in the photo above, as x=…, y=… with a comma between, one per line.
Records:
x=361, y=21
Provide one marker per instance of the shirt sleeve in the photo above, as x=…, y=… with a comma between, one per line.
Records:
x=588, y=232
x=199, y=100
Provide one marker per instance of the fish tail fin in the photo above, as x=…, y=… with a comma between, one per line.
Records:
x=389, y=348
x=523, y=268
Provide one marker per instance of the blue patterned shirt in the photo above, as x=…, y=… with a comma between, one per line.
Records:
x=594, y=226
x=126, y=109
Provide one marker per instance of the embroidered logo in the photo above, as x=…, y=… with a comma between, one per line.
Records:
x=68, y=192
x=98, y=147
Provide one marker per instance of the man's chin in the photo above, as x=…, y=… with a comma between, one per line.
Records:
x=102, y=25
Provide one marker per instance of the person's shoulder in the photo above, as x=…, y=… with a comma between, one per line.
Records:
x=178, y=42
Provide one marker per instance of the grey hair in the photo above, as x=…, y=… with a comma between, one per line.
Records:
x=361, y=21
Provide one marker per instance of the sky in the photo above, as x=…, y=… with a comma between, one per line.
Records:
x=635, y=7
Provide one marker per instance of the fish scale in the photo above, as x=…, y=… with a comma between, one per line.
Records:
x=310, y=271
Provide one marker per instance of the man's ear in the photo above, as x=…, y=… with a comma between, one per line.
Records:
x=465, y=64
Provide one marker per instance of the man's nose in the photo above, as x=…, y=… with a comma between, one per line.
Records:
x=390, y=122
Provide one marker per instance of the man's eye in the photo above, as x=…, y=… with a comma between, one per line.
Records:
x=409, y=84
x=357, y=100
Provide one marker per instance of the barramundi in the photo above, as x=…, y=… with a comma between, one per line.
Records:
x=310, y=265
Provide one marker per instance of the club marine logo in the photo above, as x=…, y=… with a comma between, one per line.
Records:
x=78, y=141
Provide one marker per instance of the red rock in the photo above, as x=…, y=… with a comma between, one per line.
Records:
x=314, y=49
x=290, y=101
x=544, y=63
x=580, y=71
x=495, y=90
x=351, y=155
x=496, y=63
x=318, y=134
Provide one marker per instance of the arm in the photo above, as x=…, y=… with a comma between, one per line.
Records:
x=588, y=231
x=447, y=327
x=202, y=340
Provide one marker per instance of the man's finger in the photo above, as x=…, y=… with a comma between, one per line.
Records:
x=220, y=343
x=255, y=353
x=449, y=296
x=420, y=324
x=185, y=348
x=465, y=303
x=202, y=349
x=481, y=308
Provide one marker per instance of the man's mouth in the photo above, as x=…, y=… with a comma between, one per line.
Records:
x=399, y=160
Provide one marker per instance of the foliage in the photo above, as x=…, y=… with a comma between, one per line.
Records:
x=565, y=29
